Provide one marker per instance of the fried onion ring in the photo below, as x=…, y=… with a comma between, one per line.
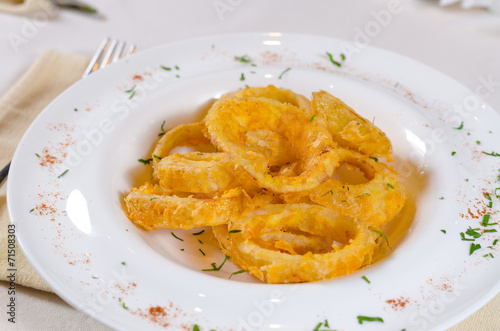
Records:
x=228, y=122
x=297, y=243
x=151, y=210
x=348, y=128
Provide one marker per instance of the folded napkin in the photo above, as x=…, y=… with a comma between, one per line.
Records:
x=51, y=74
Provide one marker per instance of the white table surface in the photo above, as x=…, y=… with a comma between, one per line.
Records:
x=463, y=44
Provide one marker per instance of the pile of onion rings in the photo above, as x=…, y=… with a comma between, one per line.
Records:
x=264, y=176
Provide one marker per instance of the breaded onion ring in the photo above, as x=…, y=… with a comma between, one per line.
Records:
x=152, y=211
x=297, y=243
x=202, y=173
x=348, y=128
x=228, y=122
x=375, y=202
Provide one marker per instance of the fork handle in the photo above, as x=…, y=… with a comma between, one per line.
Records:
x=4, y=172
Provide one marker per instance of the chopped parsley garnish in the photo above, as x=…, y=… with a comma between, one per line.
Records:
x=495, y=242
x=131, y=90
x=443, y=231
x=132, y=95
x=491, y=230
x=359, y=196
x=491, y=154
x=125, y=307
x=201, y=242
x=327, y=193
x=166, y=68
x=32, y=210
x=37, y=155
x=242, y=77
x=199, y=153
x=202, y=252
x=473, y=232
x=478, y=142
x=214, y=265
x=342, y=56
x=244, y=58
x=373, y=158
x=147, y=161
x=330, y=56
x=157, y=157
x=162, y=130
x=177, y=76
x=382, y=234
x=474, y=247
x=173, y=234
x=486, y=219
x=366, y=279
x=460, y=127
x=75, y=109
x=453, y=153
x=153, y=199
x=390, y=185
x=64, y=173
x=232, y=231
x=284, y=72
x=323, y=324
x=177, y=68
x=196, y=327
x=198, y=233
x=488, y=255
x=237, y=273
x=441, y=198
x=466, y=239
x=123, y=263
x=362, y=319
x=312, y=117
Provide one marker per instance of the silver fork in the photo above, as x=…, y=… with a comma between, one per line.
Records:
x=110, y=51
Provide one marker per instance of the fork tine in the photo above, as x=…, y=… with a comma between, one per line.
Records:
x=109, y=51
x=118, y=52
x=93, y=65
x=131, y=50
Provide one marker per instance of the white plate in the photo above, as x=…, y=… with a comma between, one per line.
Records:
x=80, y=242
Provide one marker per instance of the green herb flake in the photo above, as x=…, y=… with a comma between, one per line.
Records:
x=359, y=196
x=37, y=155
x=196, y=327
x=173, y=234
x=166, y=68
x=198, y=233
x=390, y=185
x=381, y=234
x=157, y=157
x=131, y=90
x=284, y=72
x=460, y=127
x=153, y=199
x=145, y=161
x=366, y=279
x=488, y=255
x=342, y=56
x=177, y=68
x=491, y=154
x=473, y=232
x=443, y=231
x=232, y=231
x=474, y=247
x=201, y=242
x=202, y=252
x=199, y=153
x=490, y=230
x=462, y=235
x=32, y=210
x=373, y=158
x=123, y=263
x=242, y=77
x=453, y=153
x=486, y=219
x=125, y=307
x=214, y=265
x=330, y=56
x=237, y=273
x=441, y=198
x=75, y=109
x=312, y=117
x=495, y=242
x=177, y=76
x=478, y=142
x=322, y=324
x=362, y=319
x=162, y=130
x=132, y=95
x=64, y=173
x=329, y=192
x=243, y=59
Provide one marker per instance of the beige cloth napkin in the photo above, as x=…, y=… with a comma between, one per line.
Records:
x=51, y=74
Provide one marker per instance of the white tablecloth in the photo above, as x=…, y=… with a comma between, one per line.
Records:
x=463, y=44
